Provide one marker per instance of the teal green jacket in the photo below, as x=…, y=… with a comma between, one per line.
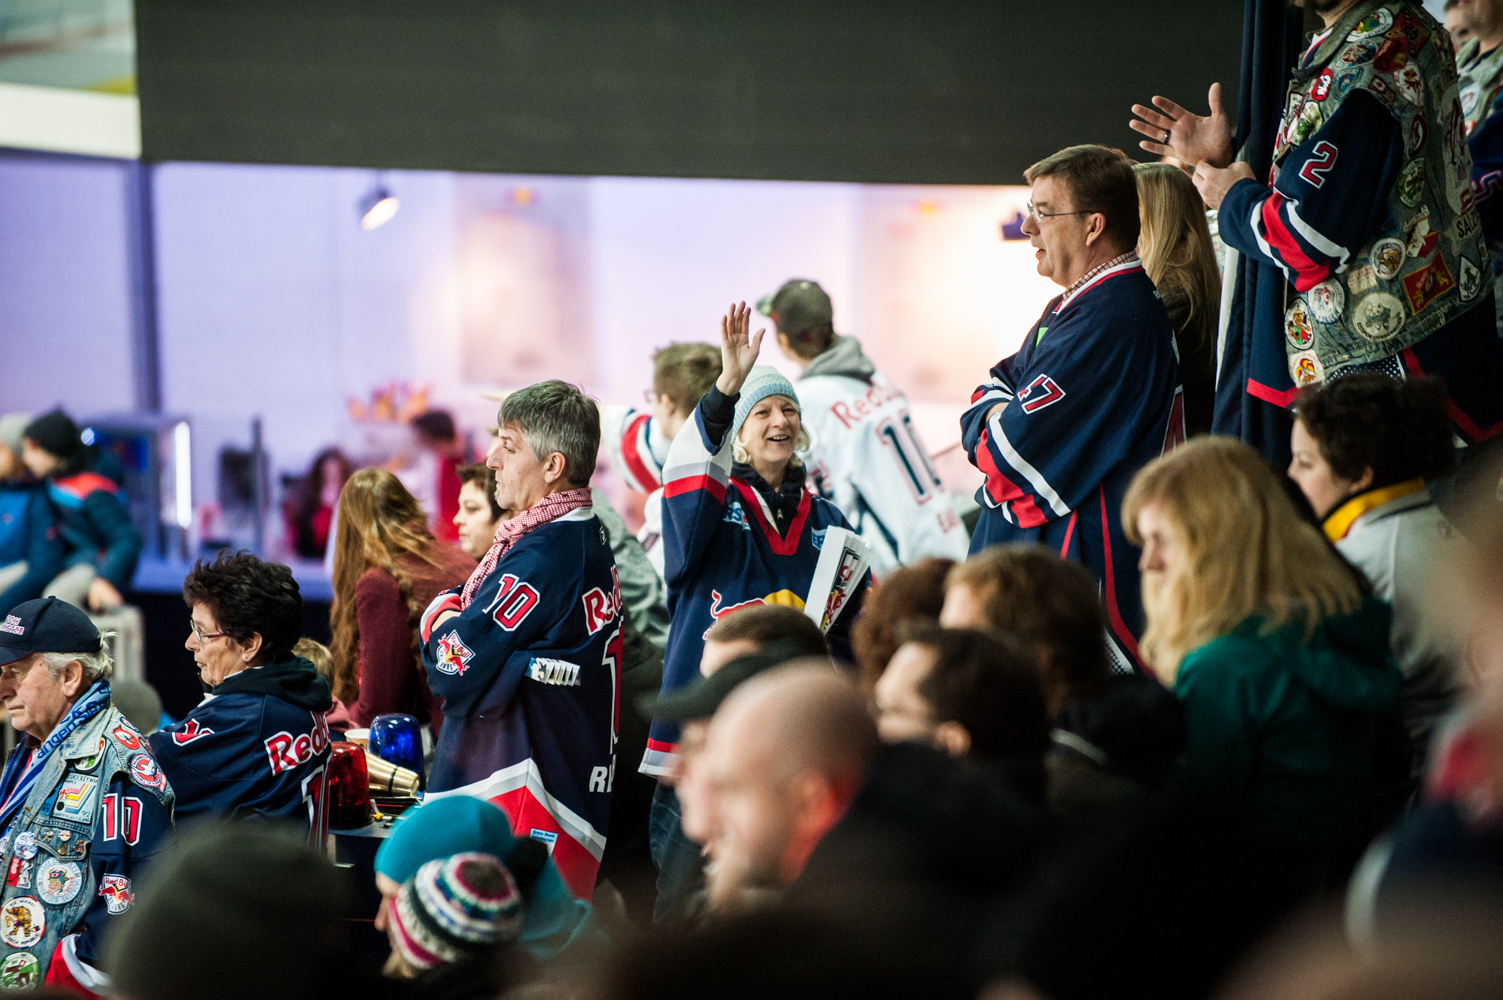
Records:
x=1281, y=728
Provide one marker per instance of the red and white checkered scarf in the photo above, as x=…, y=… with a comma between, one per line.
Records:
x=550, y=508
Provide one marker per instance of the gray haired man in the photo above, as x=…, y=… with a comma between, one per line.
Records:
x=527, y=654
x=83, y=803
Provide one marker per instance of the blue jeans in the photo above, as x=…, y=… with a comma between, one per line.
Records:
x=680, y=867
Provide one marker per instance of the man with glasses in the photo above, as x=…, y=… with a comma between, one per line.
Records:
x=257, y=745
x=1092, y=395
x=83, y=804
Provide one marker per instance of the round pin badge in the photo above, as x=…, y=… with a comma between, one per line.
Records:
x=23, y=920
x=26, y=844
x=1372, y=25
x=1326, y=301
x=1379, y=316
x=1468, y=97
x=1387, y=257
x=1305, y=368
x=1297, y=326
x=59, y=881
x=19, y=971
x=1416, y=134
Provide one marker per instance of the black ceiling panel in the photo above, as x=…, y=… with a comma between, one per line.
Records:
x=943, y=91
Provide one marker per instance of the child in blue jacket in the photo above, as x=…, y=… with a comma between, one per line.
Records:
x=31, y=550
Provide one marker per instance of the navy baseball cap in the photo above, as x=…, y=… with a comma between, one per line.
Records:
x=47, y=625
x=798, y=306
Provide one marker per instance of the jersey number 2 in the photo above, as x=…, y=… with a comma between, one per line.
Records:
x=1322, y=159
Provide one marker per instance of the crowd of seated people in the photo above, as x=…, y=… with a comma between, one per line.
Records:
x=1170, y=721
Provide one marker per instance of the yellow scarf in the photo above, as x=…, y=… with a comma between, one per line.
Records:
x=1342, y=519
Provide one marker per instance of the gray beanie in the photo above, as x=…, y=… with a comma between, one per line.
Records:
x=12, y=429
x=763, y=381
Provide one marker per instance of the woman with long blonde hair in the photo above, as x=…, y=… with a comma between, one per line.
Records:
x=1263, y=633
x=387, y=568
x=1175, y=245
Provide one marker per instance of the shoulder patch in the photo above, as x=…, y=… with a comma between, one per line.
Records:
x=1041, y=392
x=127, y=735
x=145, y=772
x=190, y=732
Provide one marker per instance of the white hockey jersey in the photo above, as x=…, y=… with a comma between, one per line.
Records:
x=638, y=449
x=866, y=456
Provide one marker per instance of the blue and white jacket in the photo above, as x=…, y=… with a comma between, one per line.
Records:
x=530, y=677
x=724, y=551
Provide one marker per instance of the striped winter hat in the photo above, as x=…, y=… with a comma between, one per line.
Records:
x=455, y=907
x=761, y=382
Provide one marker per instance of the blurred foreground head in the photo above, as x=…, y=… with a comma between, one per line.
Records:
x=235, y=911
x=785, y=755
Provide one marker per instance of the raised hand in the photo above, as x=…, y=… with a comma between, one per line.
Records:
x=738, y=349
x=1191, y=138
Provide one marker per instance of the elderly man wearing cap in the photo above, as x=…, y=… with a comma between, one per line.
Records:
x=865, y=453
x=31, y=552
x=82, y=801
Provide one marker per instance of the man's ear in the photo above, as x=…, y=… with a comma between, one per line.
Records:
x=72, y=684
x=554, y=467
x=953, y=738
x=1097, y=228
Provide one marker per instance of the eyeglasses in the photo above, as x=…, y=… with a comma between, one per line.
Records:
x=201, y=636
x=1038, y=216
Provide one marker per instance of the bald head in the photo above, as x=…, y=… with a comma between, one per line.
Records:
x=785, y=754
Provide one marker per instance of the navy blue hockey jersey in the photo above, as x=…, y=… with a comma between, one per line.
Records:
x=530, y=677
x=1092, y=396
x=243, y=753
x=723, y=552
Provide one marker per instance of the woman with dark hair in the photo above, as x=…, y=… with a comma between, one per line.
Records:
x=310, y=508
x=1363, y=448
x=909, y=592
x=387, y=568
x=258, y=745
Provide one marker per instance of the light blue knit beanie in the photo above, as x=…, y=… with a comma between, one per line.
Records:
x=763, y=381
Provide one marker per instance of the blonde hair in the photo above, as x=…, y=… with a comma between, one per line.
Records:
x=1247, y=552
x=1175, y=245
x=801, y=444
x=378, y=522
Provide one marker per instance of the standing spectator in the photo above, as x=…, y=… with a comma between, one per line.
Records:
x=865, y=453
x=80, y=772
x=1282, y=664
x=388, y=567
x=742, y=527
x=527, y=654
x=1480, y=89
x=971, y=695
x=102, y=543
x=1116, y=737
x=438, y=436
x=1178, y=255
x=318, y=654
x=251, y=749
x=308, y=513
x=1363, y=447
x=637, y=442
x=1092, y=396
x=916, y=591
x=31, y=551
x=479, y=513
x=1367, y=213
x=1457, y=28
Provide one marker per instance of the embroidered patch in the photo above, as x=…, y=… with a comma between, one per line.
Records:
x=734, y=514
x=1469, y=95
x=1419, y=238
x=19, y=873
x=1361, y=279
x=147, y=773
x=1326, y=301
x=1392, y=54
x=23, y=921
x=1379, y=316
x=1297, y=326
x=1387, y=257
x=817, y=536
x=1346, y=82
x=559, y=673
x=1470, y=278
x=125, y=734
x=76, y=798
x=1410, y=84
x=1310, y=119
x=1412, y=182
x=1372, y=25
x=1041, y=392
x=1428, y=284
x=1357, y=53
x=20, y=971
x=191, y=731
x=1320, y=89
x=116, y=892
x=1379, y=87
x=1305, y=368
x=13, y=625
x=453, y=655
x=59, y=881
x=1416, y=134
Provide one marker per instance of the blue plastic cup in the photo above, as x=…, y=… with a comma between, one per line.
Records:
x=397, y=739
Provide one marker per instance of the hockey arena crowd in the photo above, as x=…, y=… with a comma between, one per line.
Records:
x=1169, y=710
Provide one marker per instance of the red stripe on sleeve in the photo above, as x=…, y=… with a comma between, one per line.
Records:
x=1308, y=273
x=1113, y=613
x=998, y=486
x=691, y=483
x=631, y=452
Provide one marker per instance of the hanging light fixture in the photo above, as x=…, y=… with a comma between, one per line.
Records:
x=378, y=206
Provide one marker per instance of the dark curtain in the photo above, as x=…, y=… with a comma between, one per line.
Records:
x=1273, y=35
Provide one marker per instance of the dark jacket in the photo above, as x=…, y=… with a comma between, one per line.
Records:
x=1282, y=728
x=95, y=525
x=249, y=748
x=28, y=531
